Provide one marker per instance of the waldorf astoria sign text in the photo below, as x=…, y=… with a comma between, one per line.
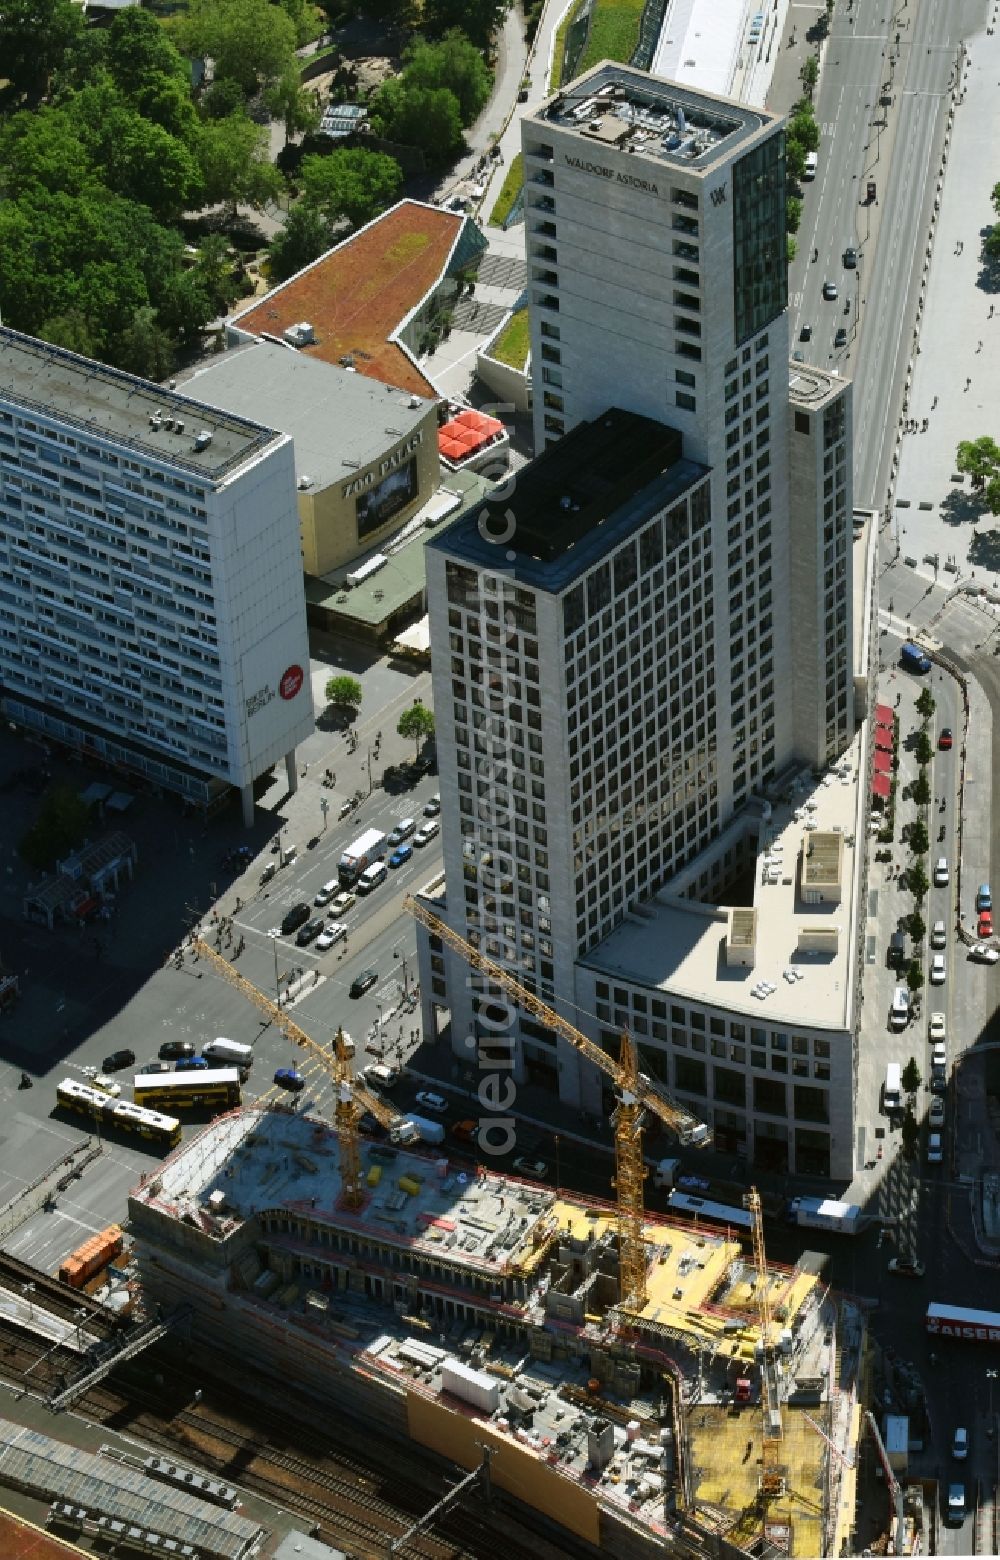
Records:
x=618, y=176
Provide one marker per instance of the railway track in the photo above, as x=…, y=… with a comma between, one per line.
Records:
x=338, y=1493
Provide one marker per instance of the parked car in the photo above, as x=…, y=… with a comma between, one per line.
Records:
x=117, y=1060
x=173, y=1050
x=343, y=902
x=363, y=982
x=956, y=1503
x=155, y=1067
x=326, y=893
x=939, y=934
x=946, y=739
x=428, y=1100
x=984, y=899
x=288, y=1078
x=106, y=1085
x=905, y=1268
x=424, y=835
x=936, y=1029
x=941, y=872
x=294, y=919
x=939, y=1055
x=433, y=807
x=534, y=1169
x=935, y=1116
x=983, y=953
x=401, y=854
x=309, y=931
x=333, y=932
x=935, y=1150
x=191, y=1064
x=985, y=926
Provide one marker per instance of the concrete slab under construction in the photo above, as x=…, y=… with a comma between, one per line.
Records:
x=463, y=1310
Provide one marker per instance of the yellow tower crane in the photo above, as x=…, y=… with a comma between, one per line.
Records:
x=772, y=1483
x=637, y=1093
x=351, y=1097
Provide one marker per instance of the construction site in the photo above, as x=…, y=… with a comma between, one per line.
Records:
x=634, y=1379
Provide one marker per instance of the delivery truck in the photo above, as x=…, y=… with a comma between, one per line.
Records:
x=824, y=1213
x=412, y=1129
x=359, y=855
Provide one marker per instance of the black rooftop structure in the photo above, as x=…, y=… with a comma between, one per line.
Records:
x=578, y=498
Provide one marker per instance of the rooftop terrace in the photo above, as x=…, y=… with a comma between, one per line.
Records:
x=104, y=402
x=801, y=968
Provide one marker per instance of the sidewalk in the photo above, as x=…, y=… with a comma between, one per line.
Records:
x=956, y=365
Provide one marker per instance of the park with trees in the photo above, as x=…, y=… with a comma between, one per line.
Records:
x=129, y=175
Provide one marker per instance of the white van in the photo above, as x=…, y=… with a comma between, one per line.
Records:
x=892, y=1094
x=232, y=1051
x=381, y=1076
x=371, y=877
x=812, y=163
x=899, y=1013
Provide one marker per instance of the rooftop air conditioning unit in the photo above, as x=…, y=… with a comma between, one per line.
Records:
x=305, y=482
x=202, y=440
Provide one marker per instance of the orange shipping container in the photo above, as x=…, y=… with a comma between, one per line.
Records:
x=89, y=1258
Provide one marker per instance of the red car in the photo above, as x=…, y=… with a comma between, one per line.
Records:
x=986, y=923
x=945, y=739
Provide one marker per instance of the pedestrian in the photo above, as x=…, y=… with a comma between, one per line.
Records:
x=968, y=383
x=979, y=346
x=991, y=311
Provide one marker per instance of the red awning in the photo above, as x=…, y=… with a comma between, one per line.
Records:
x=883, y=762
x=883, y=739
x=883, y=715
x=467, y=434
x=881, y=786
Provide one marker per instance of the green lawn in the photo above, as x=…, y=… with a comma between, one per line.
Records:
x=614, y=32
x=511, y=346
x=558, y=47
x=508, y=192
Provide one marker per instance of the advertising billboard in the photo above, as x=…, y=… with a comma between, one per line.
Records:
x=378, y=504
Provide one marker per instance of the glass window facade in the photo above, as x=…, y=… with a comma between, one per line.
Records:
x=760, y=271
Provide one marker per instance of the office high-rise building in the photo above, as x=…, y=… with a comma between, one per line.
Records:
x=571, y=621
x=153, y=611
x=655, y=234
x=820, y=464
x=643, y=644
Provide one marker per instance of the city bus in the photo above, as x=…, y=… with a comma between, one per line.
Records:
x=699, y=1210
x=202, y=1089
x=959, y=1321
x=164, y=1131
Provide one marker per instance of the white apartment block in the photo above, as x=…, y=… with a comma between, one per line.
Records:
x=153, y=613
x=655, y=234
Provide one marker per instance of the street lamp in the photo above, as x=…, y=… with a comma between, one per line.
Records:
x=27, y=1291
x=78, y=1317
x=369, y=771
x=406, y=979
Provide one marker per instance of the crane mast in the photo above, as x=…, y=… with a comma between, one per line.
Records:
x=772, y=1483
x=351, y=1097
x=637, y=1093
